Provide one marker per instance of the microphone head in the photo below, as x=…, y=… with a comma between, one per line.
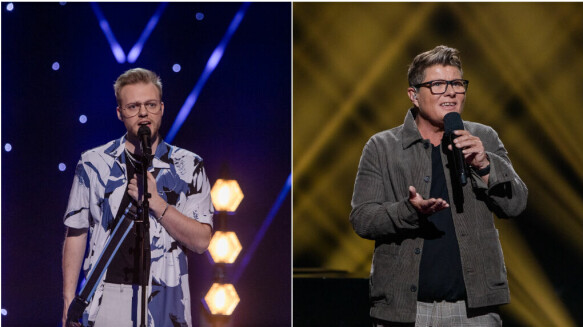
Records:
x=144, y=134
x=144, y=130
x=452, y=122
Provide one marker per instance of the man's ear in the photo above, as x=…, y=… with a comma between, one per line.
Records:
x=119, y=116
x=412, y=92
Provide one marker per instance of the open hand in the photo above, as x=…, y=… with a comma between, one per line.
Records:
x=426, y=206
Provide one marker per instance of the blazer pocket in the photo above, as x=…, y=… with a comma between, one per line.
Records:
x=381, y=275
x=493, y=260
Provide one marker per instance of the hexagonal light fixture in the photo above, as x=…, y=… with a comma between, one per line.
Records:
x=221, y=299
x=224, y=247
x=226, y=195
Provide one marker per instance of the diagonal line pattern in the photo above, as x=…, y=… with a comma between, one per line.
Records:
x=362, y=87
x=211, y=64
x=137, y=48
x=522, y=60
x=118, y=52
x=116, y=48
x=185, y=110
x=261, y=233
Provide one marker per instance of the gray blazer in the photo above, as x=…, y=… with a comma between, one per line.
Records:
x=393, y=160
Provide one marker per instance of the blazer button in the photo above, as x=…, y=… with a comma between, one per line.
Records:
x=427, y=179
x=413, y=288
x=417, y=250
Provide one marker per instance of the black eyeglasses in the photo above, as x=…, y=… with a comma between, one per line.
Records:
x=459, y=86
x=132, y=109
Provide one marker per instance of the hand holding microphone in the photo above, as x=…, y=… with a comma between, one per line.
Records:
x=466, y=147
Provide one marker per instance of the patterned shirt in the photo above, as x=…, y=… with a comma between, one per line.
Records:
x=98, y=187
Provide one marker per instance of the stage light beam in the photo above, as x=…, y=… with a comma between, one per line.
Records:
x=137, y=48
x=261, y=233
x=118, y=52
x=212, y=63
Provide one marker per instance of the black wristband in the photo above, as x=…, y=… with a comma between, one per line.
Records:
x=484, y=171
x=163, y=213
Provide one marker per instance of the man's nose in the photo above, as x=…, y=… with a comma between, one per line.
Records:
x=143, y=111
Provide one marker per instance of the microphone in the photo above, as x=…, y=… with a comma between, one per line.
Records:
x=452, y=122
x=144, y=134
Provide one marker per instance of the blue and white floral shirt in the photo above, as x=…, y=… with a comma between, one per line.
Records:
x=98, y=187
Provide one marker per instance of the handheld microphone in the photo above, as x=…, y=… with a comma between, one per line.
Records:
x=144, y=134
x=452, y=122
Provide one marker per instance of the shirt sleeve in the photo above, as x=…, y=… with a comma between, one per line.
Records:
x=198, y=202
x=376, y=214
x=507, y=193
x=77, y=213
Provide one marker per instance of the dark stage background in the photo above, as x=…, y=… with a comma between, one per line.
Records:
x=241, y=120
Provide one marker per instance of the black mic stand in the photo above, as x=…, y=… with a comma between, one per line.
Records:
x=143, y=231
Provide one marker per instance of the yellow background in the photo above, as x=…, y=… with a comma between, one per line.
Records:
x=525, y=66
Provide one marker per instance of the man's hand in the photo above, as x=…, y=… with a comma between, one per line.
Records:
x=472, y=148
x=64, y=319
x=426, y=207
x=136, y=192
x=135, y=188
x=73, y=253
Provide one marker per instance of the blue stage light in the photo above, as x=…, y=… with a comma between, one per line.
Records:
x=56, y=66
x=263, y=229
x=211, y=64
x=62, y=3
x=4, y=312
x=82, y=119
x=8, y=147
x=137, y=48
x=10, y=6
x=176, y=68
x=62, y=166
x=115, y=47
x=199, y=16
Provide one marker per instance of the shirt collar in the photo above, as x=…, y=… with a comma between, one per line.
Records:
x=161, y=157
x=410, y=131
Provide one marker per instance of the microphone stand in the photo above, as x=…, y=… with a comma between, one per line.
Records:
x=143, y=226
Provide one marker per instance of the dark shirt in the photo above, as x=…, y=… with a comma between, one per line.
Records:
x=440, y=271
x=124, y=266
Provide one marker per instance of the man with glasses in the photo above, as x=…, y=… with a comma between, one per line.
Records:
x=107, y=181
x=437, y=258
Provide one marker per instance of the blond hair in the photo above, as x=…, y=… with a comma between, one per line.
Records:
x=135, y=76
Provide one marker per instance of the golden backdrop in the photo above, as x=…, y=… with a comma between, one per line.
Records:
x=525, y=66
